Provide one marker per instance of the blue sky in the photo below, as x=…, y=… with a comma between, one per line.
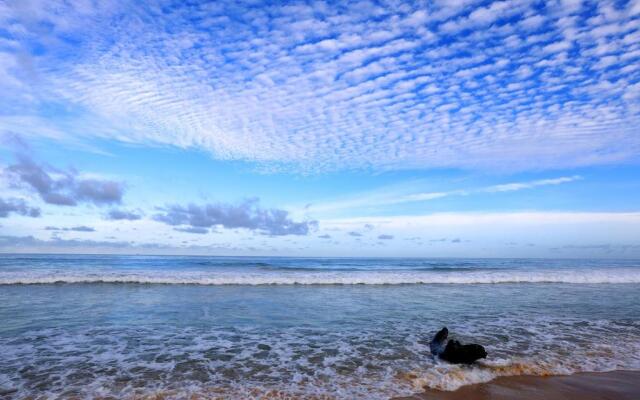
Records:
x=442, y=128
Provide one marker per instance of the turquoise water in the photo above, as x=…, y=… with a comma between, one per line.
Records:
x=126, y=326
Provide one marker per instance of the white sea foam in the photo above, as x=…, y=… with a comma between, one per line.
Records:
x=572, y=276
x=292, y=363
x=449, y=377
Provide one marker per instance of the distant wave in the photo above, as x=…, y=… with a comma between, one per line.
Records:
x=602, y=276
x=365, y=268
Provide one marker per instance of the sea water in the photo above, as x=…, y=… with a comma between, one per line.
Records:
x=234, y=328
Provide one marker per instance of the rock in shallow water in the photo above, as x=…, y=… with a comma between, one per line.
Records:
x=455, y=352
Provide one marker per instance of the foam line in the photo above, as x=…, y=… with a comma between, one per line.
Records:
x=591, y=276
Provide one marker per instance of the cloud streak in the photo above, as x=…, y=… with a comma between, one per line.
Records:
x=119, y=215
x=192, y=229
x=387, y=198
x=511, y=187
x=80, y=228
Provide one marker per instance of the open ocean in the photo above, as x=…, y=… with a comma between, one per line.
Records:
x=234, y=328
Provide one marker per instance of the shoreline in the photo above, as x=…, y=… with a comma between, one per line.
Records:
x=619, y=385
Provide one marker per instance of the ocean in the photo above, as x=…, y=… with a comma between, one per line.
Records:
x=265, y=327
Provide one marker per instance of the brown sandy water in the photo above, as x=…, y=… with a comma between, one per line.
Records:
x=616, y=385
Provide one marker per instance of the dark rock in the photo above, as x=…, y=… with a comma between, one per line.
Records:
x=455, y=352
x=439, y=341
x=262, y=346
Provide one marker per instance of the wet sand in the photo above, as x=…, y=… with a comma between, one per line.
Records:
x=617, y=385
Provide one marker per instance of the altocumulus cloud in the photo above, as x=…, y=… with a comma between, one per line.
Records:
x=17, y=206
x=247, y=215
x=63, y=188
x=433, y=84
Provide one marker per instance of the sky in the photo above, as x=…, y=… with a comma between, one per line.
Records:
x=317, y=128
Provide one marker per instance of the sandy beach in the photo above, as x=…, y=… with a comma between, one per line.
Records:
x=618, y=385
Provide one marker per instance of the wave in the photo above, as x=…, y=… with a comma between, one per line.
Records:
x=604, y=276
x=448, y=377
x=300, y=363
x=366, y=268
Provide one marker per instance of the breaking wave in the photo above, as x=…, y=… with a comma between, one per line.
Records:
x=295, y=363
x=573, y=276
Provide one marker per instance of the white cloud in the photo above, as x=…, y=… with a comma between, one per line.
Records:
x=500, y=234
x=524, y=218
x=509, y=187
